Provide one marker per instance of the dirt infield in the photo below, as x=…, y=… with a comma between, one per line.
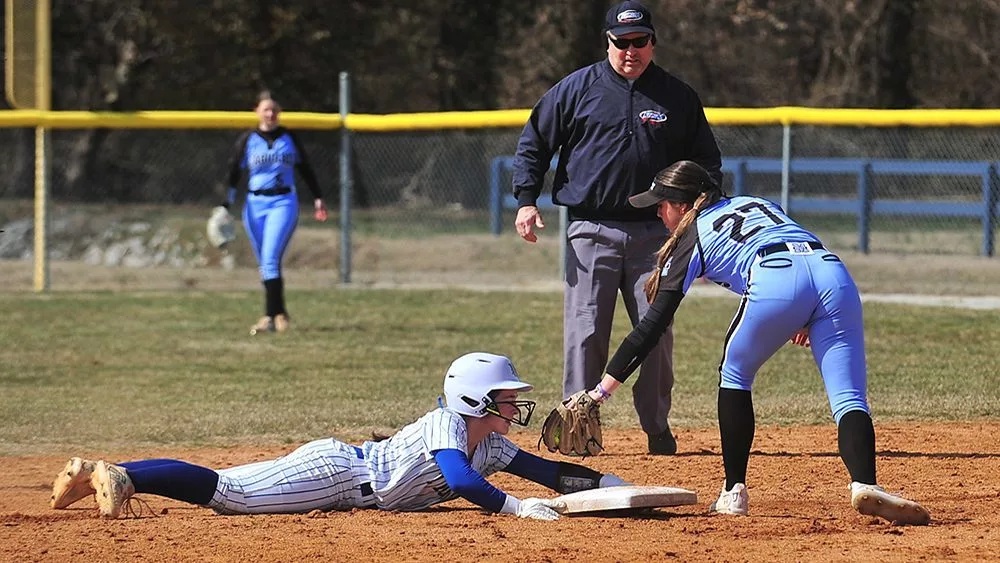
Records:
x=798, y=503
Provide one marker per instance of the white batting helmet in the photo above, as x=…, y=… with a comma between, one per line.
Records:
x=471, y=378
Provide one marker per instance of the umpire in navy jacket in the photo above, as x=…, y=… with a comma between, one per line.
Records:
x=614, y=125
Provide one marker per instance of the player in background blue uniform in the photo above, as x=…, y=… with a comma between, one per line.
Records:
x=270, y=154
x=792, y=288
x=442, y=456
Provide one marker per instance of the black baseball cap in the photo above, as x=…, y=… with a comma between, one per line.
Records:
x=629, y=17
x=659, y=192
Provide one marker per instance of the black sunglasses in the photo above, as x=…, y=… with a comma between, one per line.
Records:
x=637, y=42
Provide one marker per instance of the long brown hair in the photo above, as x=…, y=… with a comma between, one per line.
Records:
x=689, y=182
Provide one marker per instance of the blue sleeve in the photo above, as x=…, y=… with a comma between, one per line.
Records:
x=534, y=468
x=466, y=482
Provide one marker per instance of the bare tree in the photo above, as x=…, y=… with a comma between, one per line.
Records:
x=103, y=50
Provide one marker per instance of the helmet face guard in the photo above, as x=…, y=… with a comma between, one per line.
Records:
x=524, y=411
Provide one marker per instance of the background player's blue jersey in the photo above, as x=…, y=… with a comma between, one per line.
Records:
x=270, y=159
x=271, y=164
x=724, y=241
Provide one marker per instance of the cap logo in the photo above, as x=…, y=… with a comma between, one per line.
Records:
x=630, y=16
x=652, y=116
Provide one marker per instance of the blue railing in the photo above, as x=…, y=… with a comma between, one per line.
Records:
x=863, y=206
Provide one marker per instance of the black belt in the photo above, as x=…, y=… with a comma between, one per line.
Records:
x=273, y=191
x=783, y=247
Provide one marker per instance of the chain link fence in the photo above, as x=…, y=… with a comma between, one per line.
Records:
x=423, y=210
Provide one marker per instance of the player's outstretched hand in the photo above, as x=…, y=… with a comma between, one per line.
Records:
x=612, y=480
x=540, y=509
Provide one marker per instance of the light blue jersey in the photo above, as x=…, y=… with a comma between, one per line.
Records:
x=270, y=163
x=723, y=243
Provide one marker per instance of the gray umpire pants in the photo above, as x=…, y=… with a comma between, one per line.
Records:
x=604, y=258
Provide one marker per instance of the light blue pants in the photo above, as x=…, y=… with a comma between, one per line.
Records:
x=270, y=222
x=789, y=292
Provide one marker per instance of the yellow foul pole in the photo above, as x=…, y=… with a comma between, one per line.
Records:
x=43, y=98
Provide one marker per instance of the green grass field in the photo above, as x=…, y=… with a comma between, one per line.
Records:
x=103, y=370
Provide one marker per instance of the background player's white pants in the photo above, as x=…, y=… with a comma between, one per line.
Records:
x=324, y=474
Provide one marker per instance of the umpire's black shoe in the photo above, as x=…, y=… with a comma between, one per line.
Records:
x=662, y=443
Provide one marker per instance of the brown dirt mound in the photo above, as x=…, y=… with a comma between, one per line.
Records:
x=798, y=503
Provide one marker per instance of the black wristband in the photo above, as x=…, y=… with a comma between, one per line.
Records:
x=571, y=478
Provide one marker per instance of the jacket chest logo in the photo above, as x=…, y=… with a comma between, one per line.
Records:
x=652, y=117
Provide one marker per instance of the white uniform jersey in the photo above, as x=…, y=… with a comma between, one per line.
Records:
x=404, y=474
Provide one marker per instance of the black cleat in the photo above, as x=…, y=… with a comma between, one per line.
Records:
x=663, y=443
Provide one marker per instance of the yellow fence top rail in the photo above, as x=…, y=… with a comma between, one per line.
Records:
x=516, y=118
x=846, y=117
x=160, y=119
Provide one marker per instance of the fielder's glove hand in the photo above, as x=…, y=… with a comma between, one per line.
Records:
x=221, y=227
x=540, y=509
x=574, y=426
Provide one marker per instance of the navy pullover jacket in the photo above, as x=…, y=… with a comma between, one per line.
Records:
x=612, y=138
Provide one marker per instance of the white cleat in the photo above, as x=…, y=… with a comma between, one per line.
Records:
x=281, y=322
x=264, y=324
x=735, y=501
x=872, y=500
x=113, y=488
x=72, y=483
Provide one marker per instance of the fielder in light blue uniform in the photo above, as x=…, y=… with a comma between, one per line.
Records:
x=270, y=155
x=444, y=455
x=792, y=288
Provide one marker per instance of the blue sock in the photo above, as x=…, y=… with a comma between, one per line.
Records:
x=174, y=479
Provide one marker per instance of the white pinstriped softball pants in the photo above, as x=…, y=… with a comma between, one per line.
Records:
x=323, y=474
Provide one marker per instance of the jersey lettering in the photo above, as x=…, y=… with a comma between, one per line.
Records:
x=742, y=212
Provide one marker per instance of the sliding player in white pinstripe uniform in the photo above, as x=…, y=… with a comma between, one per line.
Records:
x=443, y=455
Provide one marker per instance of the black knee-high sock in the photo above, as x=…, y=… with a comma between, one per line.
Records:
x=274, y=297
x=736, y=426
x=856, y=439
